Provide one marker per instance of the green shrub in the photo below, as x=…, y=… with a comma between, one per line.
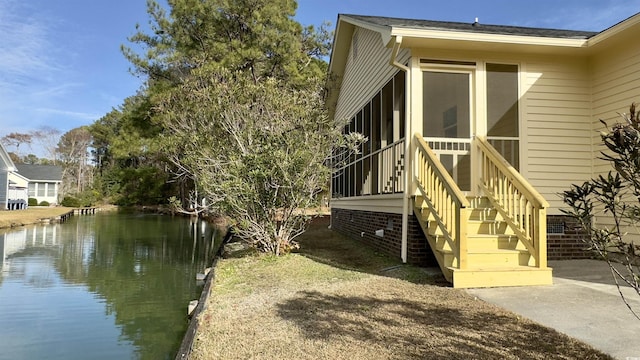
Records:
x=70, y=201
x=44, y=203
x=32, y=202
x=88, y=198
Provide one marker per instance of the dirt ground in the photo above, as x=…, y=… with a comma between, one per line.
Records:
x=336, y=299
x=32, y=215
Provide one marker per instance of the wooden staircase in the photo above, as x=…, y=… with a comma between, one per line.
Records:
x=494, y=254
x=484, y=241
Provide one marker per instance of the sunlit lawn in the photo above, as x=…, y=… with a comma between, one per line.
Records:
x=12, y=218
x=337, y=299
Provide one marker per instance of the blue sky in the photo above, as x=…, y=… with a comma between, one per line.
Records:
x=61, y=65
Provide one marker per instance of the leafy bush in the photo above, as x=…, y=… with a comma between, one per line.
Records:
x=32, y=202
x=70, y=201
x=615, y=195
x=88, y=197
x=44, y=203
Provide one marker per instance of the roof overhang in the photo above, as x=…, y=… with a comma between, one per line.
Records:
x=624, y=31
x=452, y=39
x=15, y=174
x=4, y=155
x=458, y=40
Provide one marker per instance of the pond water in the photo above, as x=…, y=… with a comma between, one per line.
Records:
x=104, y=286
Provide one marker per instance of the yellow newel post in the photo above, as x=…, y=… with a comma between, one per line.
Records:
x=463, y=216
x=541, y=238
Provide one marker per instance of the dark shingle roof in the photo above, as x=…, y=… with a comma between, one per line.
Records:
x=40, y=172
x=472, y=28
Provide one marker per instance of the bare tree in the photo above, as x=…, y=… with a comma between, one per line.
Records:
x=15, y=139
x=48, y=138
x=74, y=153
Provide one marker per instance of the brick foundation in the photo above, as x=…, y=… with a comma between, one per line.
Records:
x=567, y=243
x=362, y=225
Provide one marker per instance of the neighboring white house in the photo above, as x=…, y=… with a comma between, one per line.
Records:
x=17, y=195
x=13, y=193
x=44, y=181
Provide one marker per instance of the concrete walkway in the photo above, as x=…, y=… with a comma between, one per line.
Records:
x=583, y=302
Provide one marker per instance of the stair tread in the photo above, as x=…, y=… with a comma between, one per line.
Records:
x=490, y=235
x=501, y=268
x=490, y=251
x=497, y=251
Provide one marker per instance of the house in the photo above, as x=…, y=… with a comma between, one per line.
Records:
x=17, y=195
x=474, y=130
x=44, y=181
x=13, y=194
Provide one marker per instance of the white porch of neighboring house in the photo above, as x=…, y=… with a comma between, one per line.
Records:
x=7, y=180
x=17, y=195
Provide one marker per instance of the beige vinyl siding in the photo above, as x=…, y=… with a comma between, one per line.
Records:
x=557, y=126
x=616, y=85
x=366, y=72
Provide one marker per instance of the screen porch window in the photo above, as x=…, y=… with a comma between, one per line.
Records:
x=503, y=111
x=446, y=117
x=378, y=167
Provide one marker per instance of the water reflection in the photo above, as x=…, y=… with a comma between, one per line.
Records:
x=16, y=241
x=126, y=278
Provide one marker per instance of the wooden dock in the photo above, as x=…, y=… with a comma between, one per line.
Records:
x=64, y=217
x=77, y=211
x=85, y=210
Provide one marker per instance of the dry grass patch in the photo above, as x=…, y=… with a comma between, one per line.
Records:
x=32, y=215
x=339, y=300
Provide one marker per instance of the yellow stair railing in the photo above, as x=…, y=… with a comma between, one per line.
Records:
x=520, y=205
x=445, y=203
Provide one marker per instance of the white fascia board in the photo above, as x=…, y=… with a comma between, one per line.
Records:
x=384, y=31
x=17, y=174
x=7, y=159
x=489, y=38
x=615, y=30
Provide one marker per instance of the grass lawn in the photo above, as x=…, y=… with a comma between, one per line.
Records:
x=31, y=215
x=336, y=299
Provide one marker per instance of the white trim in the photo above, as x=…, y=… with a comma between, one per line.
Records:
x=4, y=155
x=370, y=197
x=614, y=30
x=488, y=38
x=522, y=114
x=384, y=31
x=390, y=203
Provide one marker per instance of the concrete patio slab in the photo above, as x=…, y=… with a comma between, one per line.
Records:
x=583, y=302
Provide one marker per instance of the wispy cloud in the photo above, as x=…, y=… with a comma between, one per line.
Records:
x=68, y=113
x=56, y=90
x=36, y=79
x=25, y=50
